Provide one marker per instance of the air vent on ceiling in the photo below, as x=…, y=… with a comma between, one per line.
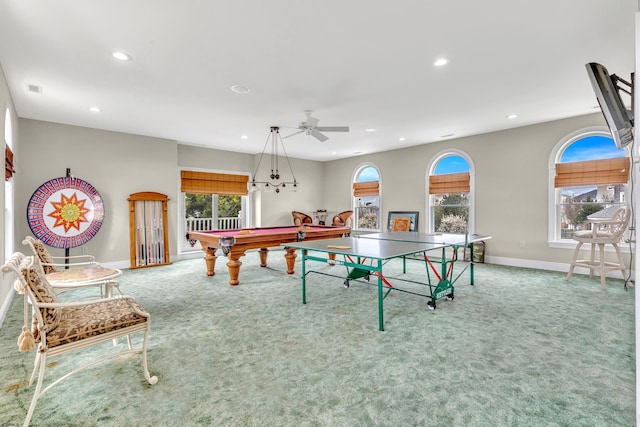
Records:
x=34, y=88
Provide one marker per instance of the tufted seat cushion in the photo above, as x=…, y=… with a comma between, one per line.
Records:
x=43, y=292
x=44, y=256
x=77, y=323
x=587, y=236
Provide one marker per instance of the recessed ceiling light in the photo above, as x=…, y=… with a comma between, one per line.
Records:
x=370, y=130
x=244, y=137
x=401, y=138
x=239, y=89
x=121, y=56
x=512, y=116
x=440, y=62
x=334, y=153
x=95, y=109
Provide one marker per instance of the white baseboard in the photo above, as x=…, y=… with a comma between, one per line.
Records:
x=546, y=265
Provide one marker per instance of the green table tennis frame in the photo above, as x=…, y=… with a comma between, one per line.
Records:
x=444, y=288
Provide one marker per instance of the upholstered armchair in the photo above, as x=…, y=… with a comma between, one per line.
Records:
x=75, y=271
x=607, y=231
x=300, y=218
x=63, y=327
x=343, y=219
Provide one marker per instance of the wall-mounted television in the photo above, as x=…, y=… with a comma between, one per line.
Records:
x=608, y=88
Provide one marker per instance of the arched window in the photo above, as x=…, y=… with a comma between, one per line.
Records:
x=366, y=198
x=588, y=173
x=450, y=190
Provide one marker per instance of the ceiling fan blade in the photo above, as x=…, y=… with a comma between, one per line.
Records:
x=293, y=134
x=333, y=128
x=317, y=135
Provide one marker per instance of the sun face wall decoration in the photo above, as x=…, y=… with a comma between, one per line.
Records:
x=65, y=212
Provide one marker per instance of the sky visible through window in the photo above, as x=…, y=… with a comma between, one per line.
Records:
x=592, y=147
x=368, y=174
x=451, y=164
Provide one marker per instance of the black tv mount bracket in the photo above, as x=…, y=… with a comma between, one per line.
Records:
x=630, y=91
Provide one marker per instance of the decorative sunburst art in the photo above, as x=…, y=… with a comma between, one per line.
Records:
x=65, y=212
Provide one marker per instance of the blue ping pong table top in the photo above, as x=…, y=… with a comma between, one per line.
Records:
x=386, y=246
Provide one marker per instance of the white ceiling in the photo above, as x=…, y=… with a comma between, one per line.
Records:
x=359, y=63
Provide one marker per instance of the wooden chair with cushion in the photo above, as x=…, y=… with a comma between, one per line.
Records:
x=63, y=327
x=75, y=271
x=300, y=218
x=607, y=231
x=343, y=219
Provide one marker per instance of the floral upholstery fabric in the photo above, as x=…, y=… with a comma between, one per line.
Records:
x=45, y=257
x=90, y=320
x=43, y=292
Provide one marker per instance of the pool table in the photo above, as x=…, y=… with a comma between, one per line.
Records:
x=234, y=243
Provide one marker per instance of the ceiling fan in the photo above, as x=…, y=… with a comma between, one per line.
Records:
x=310, y=127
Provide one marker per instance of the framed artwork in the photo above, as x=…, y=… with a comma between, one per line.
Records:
x=402, y=221
x=478, y=252
x=65, y=212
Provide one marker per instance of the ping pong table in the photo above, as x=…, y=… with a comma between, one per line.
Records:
x=366, y=255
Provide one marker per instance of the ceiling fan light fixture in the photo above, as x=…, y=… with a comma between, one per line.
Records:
x=310, y=127
x=440, y=62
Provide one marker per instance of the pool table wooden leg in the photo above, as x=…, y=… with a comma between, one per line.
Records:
x=234, y=268
x=210, y=260
x=290, y=257
x=263, y=256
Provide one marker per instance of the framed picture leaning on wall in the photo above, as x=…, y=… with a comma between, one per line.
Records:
x=402, y=221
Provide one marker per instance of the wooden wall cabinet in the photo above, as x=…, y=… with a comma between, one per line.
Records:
x=148, y=229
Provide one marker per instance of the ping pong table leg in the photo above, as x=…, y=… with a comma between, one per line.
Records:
x=471, y=264
x=380, y=299
x=304, y=277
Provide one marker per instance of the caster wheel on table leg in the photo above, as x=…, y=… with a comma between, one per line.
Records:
x=450, y=296
x=431, y=305
x=346, y=284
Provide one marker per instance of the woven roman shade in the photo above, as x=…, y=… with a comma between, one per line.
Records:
x=362, y=189
x=8, y=163
x=592, y=172
x=213, y=183
x=450, y=183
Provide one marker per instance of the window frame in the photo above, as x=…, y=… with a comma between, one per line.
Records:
x=431, y=167
x=554, y=232
x=357, y=171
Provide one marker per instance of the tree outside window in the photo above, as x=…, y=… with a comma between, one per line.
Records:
x=450, y=210
x=367, y=205
x=576, y=203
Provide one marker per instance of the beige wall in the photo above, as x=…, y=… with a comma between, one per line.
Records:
x=116, y=164
x=511, y=186
x=269, y=209
x=511, y=181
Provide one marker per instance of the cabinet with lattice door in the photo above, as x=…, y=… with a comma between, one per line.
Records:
x=148, y=229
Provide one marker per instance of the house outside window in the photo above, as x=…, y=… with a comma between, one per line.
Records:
x=449, y=193
x=588, y=174
x=366, y=198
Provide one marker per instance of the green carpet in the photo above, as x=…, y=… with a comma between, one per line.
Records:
x=520, y=348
